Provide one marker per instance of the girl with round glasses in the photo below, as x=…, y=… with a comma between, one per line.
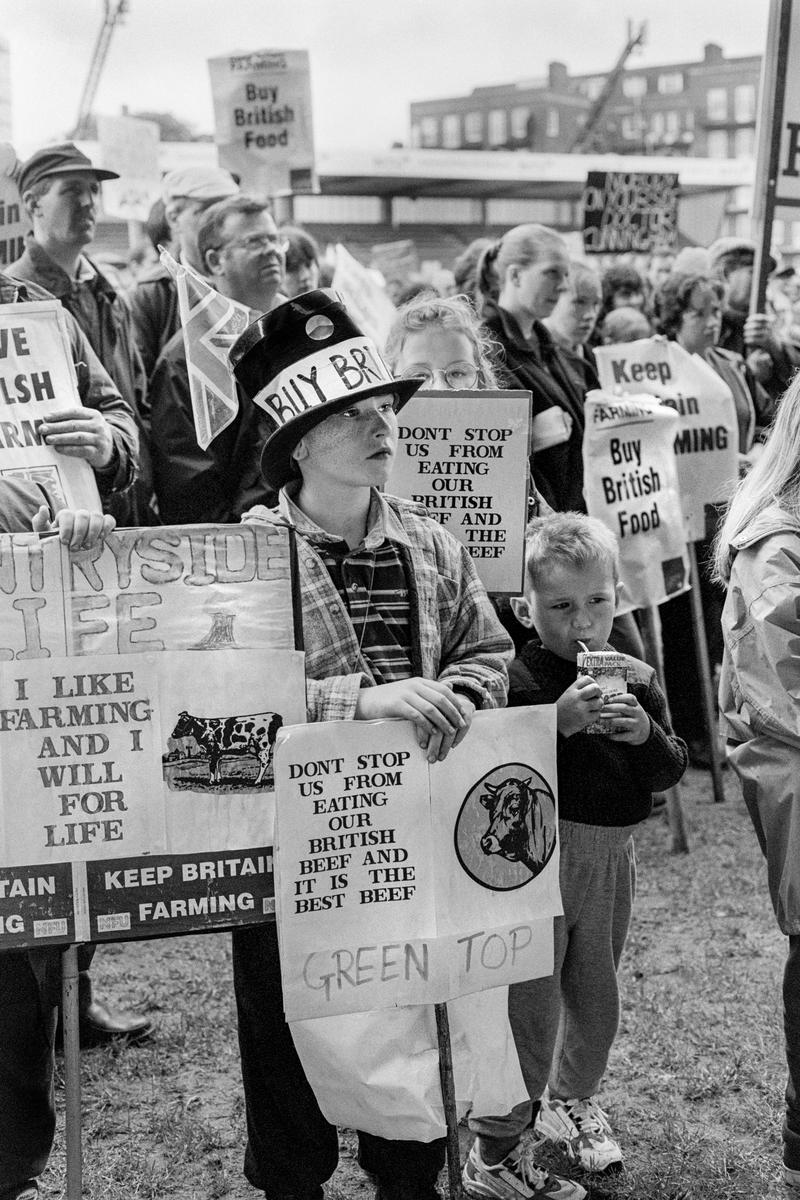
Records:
x=441, y=340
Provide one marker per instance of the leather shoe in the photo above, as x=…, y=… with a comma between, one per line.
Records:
x=100, y=1026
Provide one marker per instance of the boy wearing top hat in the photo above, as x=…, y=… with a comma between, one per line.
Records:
x=395, y=624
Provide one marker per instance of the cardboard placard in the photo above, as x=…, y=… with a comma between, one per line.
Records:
x=464, y=455
x=707, y=439
x=629, y=211
x=405, y=883
x=263, y=118
x=13, y=223
x=363, y=296
x=142, y=685
x=631, y=485
x=37, y=377
x=129, y=146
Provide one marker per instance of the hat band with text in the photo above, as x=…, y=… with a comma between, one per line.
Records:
x=352, y=366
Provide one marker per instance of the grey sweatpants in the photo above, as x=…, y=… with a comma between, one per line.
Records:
x=564, y=1025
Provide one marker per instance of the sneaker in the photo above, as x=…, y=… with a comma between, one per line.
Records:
x=581, y=1130
x=517, y=1177
x=792, y=1179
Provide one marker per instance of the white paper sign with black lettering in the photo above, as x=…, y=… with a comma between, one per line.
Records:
x=13, y=223
x=142, y=686
x=263, y=119
x=37, y=377
x=631, y=485
x=402, y=883
x=707, y=437
x=464, y=455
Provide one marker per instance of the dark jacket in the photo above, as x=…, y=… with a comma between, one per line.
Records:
x=537, y=366
x=784, y=362
x=602, y=782
x=156, y=315
x=194, y=485
x=755, y=408
x=96, y=390
x=105, y=318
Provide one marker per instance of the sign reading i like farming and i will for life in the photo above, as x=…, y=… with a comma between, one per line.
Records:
x=263, y=119
x=142, y=687
x=464, y=455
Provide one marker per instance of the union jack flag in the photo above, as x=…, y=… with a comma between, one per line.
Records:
x=211, y=324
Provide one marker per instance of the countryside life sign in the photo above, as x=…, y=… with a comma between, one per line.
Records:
x=464, y=455
x=142, y=685
x=402, y=882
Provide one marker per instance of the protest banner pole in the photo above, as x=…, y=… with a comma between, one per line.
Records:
x=651, y=635
x=449, y=1100
x=72, y=1072
x=704, y=670
x=772, y=93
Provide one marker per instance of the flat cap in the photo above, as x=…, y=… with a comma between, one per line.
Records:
x=198, y=183
x=62, y=159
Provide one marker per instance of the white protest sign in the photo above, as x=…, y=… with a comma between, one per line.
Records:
x=129, y=146
x=362, y=296
x=631, y=485
x=13, y=223
x=707, y=438
x=37, y=377
x=464, y=455
x=787, y=188
x=142, y=685
x=263, y=118
x=399, y=883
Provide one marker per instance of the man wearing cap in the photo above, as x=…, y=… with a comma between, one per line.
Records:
x=772, y=360
x=60, y=189
x=242, y=254
x=395, y=624
x=186, y=193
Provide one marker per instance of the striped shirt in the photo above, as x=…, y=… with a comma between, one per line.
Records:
x=374, y=590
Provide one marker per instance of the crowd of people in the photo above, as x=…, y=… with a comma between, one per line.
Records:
x=397, y=623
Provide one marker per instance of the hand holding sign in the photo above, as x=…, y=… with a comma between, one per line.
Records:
x=441, y=718
x=80, y=433
x=77, y=528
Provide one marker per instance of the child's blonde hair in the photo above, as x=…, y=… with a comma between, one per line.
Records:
x=568, y=539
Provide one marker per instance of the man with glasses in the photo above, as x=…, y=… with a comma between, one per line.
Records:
x=242, y=255
x=186, y=193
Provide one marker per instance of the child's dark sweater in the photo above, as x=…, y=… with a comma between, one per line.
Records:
x=600, y=781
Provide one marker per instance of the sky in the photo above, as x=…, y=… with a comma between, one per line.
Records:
x=369, y=58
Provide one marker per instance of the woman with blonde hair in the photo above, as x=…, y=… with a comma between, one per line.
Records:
x=521, y=278
x=757, y=555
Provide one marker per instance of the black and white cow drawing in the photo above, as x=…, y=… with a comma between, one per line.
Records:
x=216, y=736
x=522, y=826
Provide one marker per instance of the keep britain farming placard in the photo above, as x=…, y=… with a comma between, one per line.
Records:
x=142, y=686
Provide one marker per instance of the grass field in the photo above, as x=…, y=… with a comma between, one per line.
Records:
x=694, y=1089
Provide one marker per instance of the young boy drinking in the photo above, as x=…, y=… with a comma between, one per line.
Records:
x=396, y=624
x=564, y=1026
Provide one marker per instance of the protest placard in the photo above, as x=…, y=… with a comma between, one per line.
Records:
x=405, y=883
x=37, y=377
x=631, y=485
x=629, y=211
x=142, y=684
x=707, y=437
x=263, y=119
x=362, y=296
x=464, y=455
x=129, y=146
x=12, y=216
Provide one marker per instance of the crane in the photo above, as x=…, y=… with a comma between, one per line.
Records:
x=114, y=11
x=583, y=138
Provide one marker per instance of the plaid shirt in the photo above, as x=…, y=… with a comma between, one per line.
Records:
x=455, y=634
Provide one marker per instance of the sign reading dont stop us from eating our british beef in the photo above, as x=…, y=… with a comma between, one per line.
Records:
x=464, y=455
x=404, y=883
x=142, y=687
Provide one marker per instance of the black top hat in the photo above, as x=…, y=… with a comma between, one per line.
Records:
x=302, y=362
x=62, y=159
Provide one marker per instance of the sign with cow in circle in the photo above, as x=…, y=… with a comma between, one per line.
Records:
x=505, y=833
